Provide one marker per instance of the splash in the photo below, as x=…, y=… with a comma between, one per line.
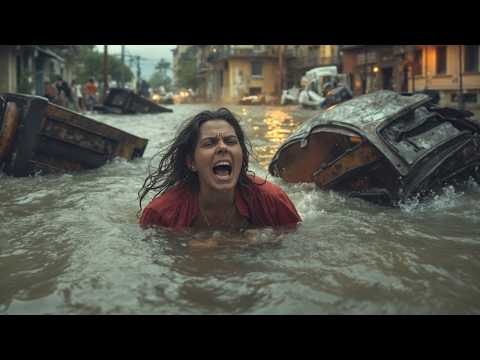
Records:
x=447, y=199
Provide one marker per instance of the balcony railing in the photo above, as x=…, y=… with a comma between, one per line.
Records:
x=224, y=52
x=203, y=67
x=315, y=61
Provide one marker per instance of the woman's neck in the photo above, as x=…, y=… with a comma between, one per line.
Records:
x=216, y=200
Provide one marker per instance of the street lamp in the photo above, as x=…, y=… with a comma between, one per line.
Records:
x=461, y=105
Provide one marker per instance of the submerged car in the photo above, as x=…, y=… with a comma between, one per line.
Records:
x=125, y=101
x=383, y=147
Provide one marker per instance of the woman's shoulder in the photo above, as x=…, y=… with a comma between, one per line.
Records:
x=165, y=210
x=171, y=198
x=272, y=204
x=265, y=187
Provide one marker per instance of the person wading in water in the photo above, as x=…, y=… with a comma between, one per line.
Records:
x=203, y=182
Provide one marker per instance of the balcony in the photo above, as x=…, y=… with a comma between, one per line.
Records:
x=304, y=62
x=203, y=67
x=224, y=52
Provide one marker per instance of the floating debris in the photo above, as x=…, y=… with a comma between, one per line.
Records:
x=38, y=136
x=124, y=101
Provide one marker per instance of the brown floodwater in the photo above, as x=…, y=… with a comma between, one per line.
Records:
x=70, y=244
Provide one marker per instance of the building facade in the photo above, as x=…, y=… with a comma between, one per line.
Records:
x=25, y=68
x=227, y=73
x=301, y=58
x=448, y=69
x=375, y=67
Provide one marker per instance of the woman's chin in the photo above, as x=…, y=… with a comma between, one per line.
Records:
x=223, y=185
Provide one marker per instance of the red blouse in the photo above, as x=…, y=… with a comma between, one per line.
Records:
x=267, y=206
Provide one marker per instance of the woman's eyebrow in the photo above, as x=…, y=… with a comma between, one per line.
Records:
x=215, y=137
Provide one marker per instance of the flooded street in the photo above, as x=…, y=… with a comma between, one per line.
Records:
x=70, y=243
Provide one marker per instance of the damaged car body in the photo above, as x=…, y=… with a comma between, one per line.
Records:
x=124, y=101
x=37, y=136
x=383, y=147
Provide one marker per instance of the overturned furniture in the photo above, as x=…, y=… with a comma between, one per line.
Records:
x=38, y=136
x=383, y=147
x=124, y=101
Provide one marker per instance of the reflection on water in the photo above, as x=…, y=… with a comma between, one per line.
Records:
x=270, y=129
x=71, y=244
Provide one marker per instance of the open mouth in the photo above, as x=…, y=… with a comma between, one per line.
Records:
x=222, y=169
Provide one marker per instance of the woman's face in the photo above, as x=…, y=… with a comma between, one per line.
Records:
x=218, y=156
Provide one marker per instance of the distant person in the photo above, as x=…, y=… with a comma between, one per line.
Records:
x=90, y=94
x=64, y=92
x=144, y=89
x=76, y=94
x=81, y=98
x=50, y=91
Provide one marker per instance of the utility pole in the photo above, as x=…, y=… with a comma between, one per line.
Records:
x=426, y=67
x=281, y=65
x=139, y=73
x=122, y=85
x=105, y=71
x=365, y=54
x=461, y=105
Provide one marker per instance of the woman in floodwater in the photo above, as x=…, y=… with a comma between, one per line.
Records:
x=203, y=182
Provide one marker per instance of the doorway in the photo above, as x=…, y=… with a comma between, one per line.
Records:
x=404, y=86
x=387, y=78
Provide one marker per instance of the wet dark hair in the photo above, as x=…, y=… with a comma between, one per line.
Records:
x=173, y=170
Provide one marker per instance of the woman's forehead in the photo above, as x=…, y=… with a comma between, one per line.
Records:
x=215, y=127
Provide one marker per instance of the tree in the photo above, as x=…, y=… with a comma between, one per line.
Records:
x=157, y=80
x=160, y=76
x=187, y=73
x=163, y=66
x=90, y=64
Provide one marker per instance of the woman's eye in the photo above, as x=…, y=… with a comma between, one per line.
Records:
x=231, y=141
x=207, y=143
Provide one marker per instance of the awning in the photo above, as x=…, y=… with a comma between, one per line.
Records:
x=50, y=53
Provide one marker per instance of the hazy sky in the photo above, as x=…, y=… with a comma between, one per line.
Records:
x=151, y=53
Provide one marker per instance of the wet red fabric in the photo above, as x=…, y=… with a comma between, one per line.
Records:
x=265, y=205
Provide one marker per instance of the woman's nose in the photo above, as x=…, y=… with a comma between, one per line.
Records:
x=221, y=146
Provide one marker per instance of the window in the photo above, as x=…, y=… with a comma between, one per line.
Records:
x=257, y=68
x=441, y=53
x=471, y=58
x=418, y=62
x=254, y=91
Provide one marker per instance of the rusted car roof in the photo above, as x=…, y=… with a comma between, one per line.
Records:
x=382, y=140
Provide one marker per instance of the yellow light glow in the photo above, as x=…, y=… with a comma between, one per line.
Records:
x=375, y=69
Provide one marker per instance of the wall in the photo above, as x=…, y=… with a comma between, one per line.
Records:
x=239, y=79
x=448, y=83
x=8, y=73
